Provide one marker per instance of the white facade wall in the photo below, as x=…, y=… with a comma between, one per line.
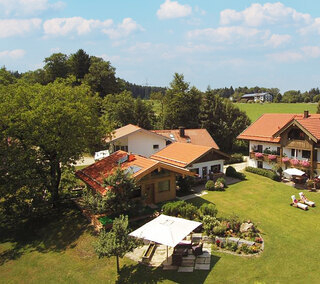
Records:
x=141, y=143
x=208, y=165
x=271, y=146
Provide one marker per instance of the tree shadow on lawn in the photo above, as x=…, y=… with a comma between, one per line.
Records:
x=141, y=274
x=56, y=232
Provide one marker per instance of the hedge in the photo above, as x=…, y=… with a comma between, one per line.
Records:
x=263, y=172
x=231, y=172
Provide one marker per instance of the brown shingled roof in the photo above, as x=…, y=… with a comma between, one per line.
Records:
x=194, y=136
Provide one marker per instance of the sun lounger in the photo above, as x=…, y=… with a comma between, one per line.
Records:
x=305, y=200
x=297, y=204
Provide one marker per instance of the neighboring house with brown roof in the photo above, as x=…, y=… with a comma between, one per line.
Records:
x=194, y=136
x=205, y=161
x=157, y=180
x=288, y=136
x=132, y=138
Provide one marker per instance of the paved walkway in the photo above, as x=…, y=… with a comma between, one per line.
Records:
x=239, y=166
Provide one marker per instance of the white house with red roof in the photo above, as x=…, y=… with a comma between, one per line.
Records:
x=290, y=140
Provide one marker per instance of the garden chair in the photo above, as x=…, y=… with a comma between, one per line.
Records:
x=197, y=249
x=305, y=200
x=297, y=204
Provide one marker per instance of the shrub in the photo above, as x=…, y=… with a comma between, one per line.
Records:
x=235, y=158
x=231, y=172
x=208, y=223
x=210, y=185
x=232, y=246
x=208, y=209
x=180, y=208
x=220, y=230
x=94, y=202
x=245, y=249
x=235, y=223
x=263, y=172
x=219, y=186
x=185, y=183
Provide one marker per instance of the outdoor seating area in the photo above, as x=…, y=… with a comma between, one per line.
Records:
x=303, y=203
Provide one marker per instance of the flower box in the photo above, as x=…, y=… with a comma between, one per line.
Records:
x=294, y=162
x=285, y=159
x=272, y=157
x=305, y=164
x=258, y=155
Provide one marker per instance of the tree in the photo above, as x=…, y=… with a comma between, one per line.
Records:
x=6, y=77
x=56, y=66
x=292, y=96
x=101, y=77
x=181, y=104
x=318, y=108
x=55, y=123
x=122, y=189
x=144, y=115
x=277, y=98
x=117, y=242
x=79, y=63
x=222, y=119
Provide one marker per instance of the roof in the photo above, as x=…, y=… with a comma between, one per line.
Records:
x=194, y=136
x=166, y=230
x=268, y=125
x=139, y=166
x=183, y=154
x=127, y=130
x=254, y=95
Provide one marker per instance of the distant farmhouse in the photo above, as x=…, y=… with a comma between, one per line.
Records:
x=258, y=97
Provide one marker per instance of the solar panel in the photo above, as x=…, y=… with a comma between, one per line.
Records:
x=132, y=169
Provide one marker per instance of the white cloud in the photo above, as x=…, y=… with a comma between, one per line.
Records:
x=286, y=56
x=311, y=51
x=226, y=34
x=268, y=13
x=27, y=7
x=13, y=54
x=172, y=9
x=79, y=25
x=127, y=27
x=313, y=27
x=12, y=27
x=276, y=40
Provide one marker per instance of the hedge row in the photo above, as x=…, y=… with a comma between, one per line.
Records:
x=263, y=172
x=231, y=172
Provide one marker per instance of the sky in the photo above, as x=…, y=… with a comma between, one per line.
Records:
x=216, y=43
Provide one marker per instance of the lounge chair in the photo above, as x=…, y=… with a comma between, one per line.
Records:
x=297, y=204
x=305, y=200
x=197, y=249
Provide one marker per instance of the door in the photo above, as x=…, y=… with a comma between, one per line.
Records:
x=204, y=172
x=149, y=188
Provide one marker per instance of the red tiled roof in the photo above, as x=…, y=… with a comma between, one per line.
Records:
x=181, y=154
x=267, y=125
x=196, y=136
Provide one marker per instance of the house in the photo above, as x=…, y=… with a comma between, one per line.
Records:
x=157, y=180
x=258, y=97
x=205, y=161
x=193, y=136
x=132, y=138
x=285, y=139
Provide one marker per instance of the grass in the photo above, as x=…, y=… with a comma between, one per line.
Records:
x=60, y=251
x=254, y=111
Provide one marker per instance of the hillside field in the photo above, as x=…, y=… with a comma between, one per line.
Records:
x=254, y=111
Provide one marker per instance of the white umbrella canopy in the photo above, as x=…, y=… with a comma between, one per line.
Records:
x=293, y=172
x=166, y=230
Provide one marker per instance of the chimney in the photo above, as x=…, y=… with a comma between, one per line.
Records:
x=181, y=131
x=306, y=114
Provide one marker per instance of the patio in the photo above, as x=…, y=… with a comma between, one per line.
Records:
x=189, y=263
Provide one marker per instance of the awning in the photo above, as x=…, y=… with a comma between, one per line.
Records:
x=292, y=172
x=166, y=230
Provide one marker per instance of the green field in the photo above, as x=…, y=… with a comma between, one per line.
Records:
x=254, y=111
x=60, y=251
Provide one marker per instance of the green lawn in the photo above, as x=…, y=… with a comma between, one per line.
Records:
x=61, y=251
x=256, y=110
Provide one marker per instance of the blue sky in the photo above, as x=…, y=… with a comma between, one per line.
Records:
x=218, y=43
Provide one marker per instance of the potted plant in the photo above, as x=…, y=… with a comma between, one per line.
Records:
x=294, y=162
x=272, y=157
x=285, y=159
x=258, y=155
x=305, y=164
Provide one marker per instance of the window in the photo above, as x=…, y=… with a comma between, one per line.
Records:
x=164, y=185
x=260, y=164
x=293, y=152
x=259, y=148
x=204, y=172
x=195, y=171
x=216, y=169
x=278, y=151
x=306, y=154
x=124, y=148
x=155, y=146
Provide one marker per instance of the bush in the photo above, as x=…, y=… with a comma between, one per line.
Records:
x=235, y=158
x=208, y=209
x=94, y=202
x=235, y=223
x=263, y=172
x=185, y=183
x=210, y=185
x=208, y=223
x=181, y=208
x=245, y=249
x=222, y=180
x=220, y=230
x=231, y=172
x=232, y=246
